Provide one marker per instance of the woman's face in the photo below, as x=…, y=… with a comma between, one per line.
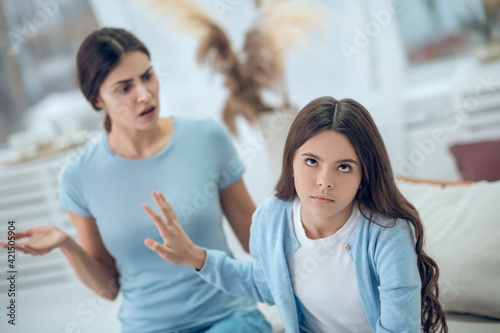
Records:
x=327, y=176
x=129, y=94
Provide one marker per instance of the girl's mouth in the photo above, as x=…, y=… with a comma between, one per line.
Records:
x=322, y=200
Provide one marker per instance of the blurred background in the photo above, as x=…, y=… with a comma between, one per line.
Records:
x=427, y=70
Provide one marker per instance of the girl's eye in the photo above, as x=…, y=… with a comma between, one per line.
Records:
x=344, y=168
x=147, y=77
x=311, y=162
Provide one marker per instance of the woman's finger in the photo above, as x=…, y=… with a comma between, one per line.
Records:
x=157, y=220
x=23, y=249
x=35, y=252
x=6, y=245
x=25, y=233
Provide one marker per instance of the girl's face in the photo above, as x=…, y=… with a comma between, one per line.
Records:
x=327, y=175
x=129, y=94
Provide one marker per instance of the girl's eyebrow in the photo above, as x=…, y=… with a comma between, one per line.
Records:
x=345, y=160
x=130, y=80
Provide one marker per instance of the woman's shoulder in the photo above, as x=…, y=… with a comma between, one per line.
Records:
x=80, y=158
x=204, y=125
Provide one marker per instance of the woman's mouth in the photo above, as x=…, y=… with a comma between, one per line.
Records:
x=148, y=113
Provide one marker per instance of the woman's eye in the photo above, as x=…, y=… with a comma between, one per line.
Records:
x=124, y=89
x=311, y=162
x=344, y=168
x=148, y=77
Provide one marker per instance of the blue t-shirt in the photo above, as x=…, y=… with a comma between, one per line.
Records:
x=194, y=166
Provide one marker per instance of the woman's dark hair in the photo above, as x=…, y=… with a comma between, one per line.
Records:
x=98, y=55
x=378, y=192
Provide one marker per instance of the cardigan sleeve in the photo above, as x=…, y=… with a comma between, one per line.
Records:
x=239, y=277
x=399, y=280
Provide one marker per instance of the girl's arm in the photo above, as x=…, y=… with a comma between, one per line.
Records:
x=238, y=208
x=238, y=277
x=399, y=278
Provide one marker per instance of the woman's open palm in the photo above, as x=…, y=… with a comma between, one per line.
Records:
x=42, y=239
x=177, y=248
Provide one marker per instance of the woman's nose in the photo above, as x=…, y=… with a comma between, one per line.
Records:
x=143, y=94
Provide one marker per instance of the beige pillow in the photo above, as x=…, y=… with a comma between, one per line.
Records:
x=462, y=229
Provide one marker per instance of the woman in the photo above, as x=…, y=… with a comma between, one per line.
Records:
x=195, y=165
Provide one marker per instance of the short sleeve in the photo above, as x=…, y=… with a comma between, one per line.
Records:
x=71, y=192
x=230, y=166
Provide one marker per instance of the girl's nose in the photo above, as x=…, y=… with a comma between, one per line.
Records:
x=325, y=181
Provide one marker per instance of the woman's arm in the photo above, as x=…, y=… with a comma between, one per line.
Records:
x=238, y=208
x=91, y=260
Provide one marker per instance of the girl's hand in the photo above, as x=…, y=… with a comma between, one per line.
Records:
x=42, y=240
x=177, y=248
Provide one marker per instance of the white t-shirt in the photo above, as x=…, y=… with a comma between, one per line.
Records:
x=324, y=280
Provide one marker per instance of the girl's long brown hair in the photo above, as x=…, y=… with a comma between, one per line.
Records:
x=378, y=192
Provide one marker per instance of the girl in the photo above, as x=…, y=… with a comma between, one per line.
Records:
x=338, y=248
x=192, y=161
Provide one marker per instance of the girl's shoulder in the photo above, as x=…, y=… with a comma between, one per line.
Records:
x=273, y=206
x=377, y=226
x=272, y=213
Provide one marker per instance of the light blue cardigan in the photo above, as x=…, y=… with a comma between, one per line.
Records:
x=385, y=263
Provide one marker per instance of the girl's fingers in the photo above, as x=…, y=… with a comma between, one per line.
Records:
x=157, y=247
x=168, y=208
x=156, y=219
x=160, y=202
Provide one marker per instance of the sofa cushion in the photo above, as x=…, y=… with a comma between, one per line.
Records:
x=478, y=160
x=462, y=230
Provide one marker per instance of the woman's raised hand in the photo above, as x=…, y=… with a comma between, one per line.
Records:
x=42, y=240
x=177, y=248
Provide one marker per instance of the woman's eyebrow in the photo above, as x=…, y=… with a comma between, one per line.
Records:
x=147, y=71
x=130, y=80
x=345, y=160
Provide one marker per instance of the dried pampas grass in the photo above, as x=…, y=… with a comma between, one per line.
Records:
x=280, y=25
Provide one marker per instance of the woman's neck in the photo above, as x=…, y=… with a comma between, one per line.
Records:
x=134, y=144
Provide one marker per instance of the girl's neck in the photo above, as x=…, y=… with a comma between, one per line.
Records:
x=134, y=144
x=317, y=227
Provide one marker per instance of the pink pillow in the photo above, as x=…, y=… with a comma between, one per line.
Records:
x=478, y=160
